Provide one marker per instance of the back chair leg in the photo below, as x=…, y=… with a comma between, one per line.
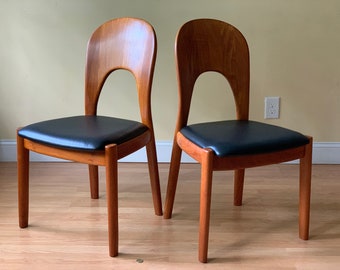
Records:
x=154, y=178
x=94, y=181
x=23, y=182
x=172, y=180
x=305, y=191
x=112, y=197
x=238, y=186
x=205, y=203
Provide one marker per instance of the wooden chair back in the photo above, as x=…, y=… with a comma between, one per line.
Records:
x=112, y=47
x=218, y=47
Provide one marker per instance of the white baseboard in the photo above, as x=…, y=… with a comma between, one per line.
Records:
x=323, y=153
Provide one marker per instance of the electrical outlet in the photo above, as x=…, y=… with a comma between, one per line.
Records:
x=271, y=107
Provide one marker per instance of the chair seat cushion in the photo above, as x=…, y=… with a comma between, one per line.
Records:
x=83, y=132
x=227, y=138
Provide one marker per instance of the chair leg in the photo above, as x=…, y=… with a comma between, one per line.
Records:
x=94, y=183
x=205, y=202
x=154, y=177
x=238, y=186
x=112, y=197
x=23, y=182
x=305, y=191
x=172, y=180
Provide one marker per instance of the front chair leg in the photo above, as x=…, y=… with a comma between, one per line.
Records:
x=305, y=191
x=205, y=203
x=154, y=178
x=172, y=180
x=112, y=197
x=23, y=182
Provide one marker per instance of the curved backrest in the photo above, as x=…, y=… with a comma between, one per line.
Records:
x=211, y=45
x=123, y=43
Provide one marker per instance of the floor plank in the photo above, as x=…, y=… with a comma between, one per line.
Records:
x=68, y=230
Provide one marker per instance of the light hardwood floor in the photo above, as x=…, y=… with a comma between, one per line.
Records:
x=68, y=230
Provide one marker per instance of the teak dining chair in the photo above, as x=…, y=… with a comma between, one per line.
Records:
x=122, y=43
x=211, y=45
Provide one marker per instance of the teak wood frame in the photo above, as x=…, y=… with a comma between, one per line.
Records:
x=189, y=67
x=105, y=54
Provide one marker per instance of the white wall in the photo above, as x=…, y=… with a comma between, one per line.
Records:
x=294, y=54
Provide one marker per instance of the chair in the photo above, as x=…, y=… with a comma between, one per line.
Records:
x=210, y=45
x=123, y=43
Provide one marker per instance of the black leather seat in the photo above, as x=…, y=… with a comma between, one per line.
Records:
x=83, y=132
x=237, y=137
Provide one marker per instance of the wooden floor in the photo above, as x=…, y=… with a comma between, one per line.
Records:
x=68, y=230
